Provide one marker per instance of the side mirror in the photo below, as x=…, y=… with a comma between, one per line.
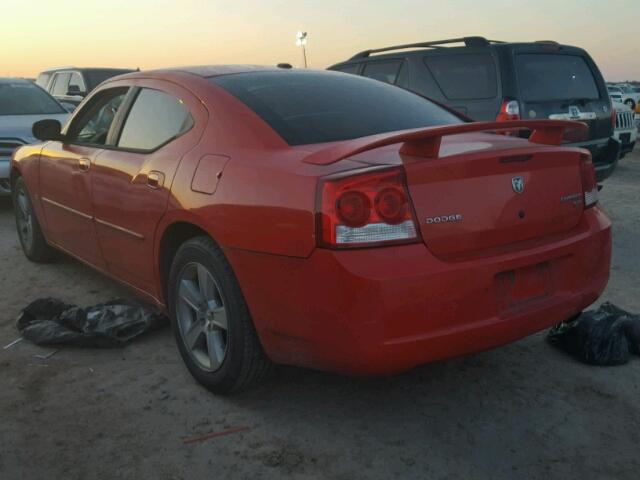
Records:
x=47, y=130
x=74, y=91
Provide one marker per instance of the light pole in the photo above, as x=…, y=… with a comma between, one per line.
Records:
x=301, y=41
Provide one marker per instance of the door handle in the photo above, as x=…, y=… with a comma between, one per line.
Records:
x=155, y=180
x=84, y=164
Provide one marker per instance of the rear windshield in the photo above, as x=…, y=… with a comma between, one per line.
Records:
x=306, y=107
x=25, y=98
x=549, y=77
x=96, y=77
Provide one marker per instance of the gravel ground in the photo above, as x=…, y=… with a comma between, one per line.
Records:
x=521, y=411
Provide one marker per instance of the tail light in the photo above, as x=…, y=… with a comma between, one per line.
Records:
x=614, y=115
x=589, y=183
x=510, y=110
x=369, y=208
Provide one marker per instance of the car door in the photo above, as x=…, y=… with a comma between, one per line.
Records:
x=132, y=180
x=65, y=176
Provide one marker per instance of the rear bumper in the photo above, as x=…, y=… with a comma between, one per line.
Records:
x=605, y=156
x=385, y=310
x=4, y=176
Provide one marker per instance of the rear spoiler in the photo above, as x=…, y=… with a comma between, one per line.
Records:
x=425, y=142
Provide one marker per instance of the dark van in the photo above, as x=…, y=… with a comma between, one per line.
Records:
x=489, y=80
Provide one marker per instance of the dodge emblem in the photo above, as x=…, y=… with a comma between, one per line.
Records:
x=518, y=184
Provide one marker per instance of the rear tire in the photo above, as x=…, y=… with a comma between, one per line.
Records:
x=34, y=245
x=211, y=321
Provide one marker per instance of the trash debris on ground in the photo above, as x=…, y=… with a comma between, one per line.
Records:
x=208, y=436
x=45, y=356
x=606, y=336
x=48, y=321
x=16, y=341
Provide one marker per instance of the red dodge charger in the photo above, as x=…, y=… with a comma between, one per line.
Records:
x=315, y=218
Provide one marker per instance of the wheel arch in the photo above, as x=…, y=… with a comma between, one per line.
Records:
x=172, y=237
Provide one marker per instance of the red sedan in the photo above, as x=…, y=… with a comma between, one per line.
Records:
x=315, y=218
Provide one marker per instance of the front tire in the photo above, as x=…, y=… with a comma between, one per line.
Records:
x=211, y=321
x=34, y=245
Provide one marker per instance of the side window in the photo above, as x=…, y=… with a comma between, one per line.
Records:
x=43, y=80
x=154, y=119
x=383, y=71
x=76, y=85
x=60, y=84
x=92, y=124
x=466, y=76
x=353, y=69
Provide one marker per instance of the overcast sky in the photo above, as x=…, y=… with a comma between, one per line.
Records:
x=38, y=34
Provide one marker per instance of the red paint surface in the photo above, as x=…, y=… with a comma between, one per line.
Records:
x=459, y=288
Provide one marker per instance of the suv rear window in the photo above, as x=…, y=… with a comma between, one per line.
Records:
x=466, y=76
x=383, y=71
x=315, y=107
x=551, y=77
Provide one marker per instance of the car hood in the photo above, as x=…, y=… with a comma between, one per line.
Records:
x=19, y=126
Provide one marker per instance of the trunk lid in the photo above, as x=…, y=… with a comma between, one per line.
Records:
x=470, y=201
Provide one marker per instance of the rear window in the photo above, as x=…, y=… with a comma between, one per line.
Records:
x=306, y=107
x=96, y=77
x=552, y=77
x=25, y=98
x=464, y=76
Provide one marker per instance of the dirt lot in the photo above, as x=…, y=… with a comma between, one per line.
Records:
x=521, y=411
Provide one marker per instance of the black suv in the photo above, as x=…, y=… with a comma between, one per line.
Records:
x=490, y=80
x=71, y=85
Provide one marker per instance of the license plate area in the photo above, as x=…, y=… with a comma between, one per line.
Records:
x=625, y=138
x=523, y=286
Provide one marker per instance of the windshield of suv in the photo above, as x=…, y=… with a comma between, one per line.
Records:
x=315, y=107
x=552, y=77
x=25, y=98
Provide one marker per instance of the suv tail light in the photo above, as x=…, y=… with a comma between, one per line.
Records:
x=614, y=115
x=510, y=110
x=365, y=209
x=589, y=183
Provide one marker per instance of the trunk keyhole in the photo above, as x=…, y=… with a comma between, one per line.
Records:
x=521, y=214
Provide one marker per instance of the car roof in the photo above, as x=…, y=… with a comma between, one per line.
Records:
x=451, y=45
x=207, y=71
x=88, y=69
x=14, y=80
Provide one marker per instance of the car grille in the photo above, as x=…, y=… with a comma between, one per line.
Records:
x=7, y=146
x=624, y=120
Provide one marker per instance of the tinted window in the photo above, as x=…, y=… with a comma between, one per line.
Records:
x=313, y=107
x=548, y=77
x=464, y=77
x=25, y=98
x=93, y=122
x=353, y=69
x=383, y=71
x=60, y=84
x=96, y=77
x=154, y=119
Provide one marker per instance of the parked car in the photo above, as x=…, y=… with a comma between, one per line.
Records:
x=631, y=96
x=21, y=105
x=616, y=94
x=71, y=85
x=317, y=219
x=488, y=80
x=626, y=131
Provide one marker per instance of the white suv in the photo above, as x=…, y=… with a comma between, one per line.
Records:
x=626, y=131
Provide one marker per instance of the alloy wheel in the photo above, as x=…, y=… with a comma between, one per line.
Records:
x=202, y=317
x=24, y=216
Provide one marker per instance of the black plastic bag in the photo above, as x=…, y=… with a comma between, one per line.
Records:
x=606, y=336
x=48, y=321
